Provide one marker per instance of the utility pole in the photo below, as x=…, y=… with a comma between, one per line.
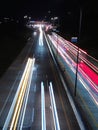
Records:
x=80, y=21
x=56, y=21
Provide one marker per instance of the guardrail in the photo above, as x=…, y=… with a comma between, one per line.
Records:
x=21, y=94
x=53, y=107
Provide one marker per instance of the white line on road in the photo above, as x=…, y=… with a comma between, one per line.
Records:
x=35, y=88
x=54, y=109
x=33, y=115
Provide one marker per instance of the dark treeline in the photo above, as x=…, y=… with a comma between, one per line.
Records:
x=13, y=37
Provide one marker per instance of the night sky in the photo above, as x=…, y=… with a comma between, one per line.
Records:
x=40, y=8
x=33, y=8
x=66, y=10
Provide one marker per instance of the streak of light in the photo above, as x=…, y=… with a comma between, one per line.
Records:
x=54, y=109
x=15, y=110
x=73, y=48
x=84, y=70
x=87, y=70
x=43, y=107
x=40, y=36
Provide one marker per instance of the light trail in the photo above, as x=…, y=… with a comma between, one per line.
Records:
x=54, y=109
x=84, y=71
x=91, y=74
x=43, y=107
x=78, y=117
x=40, y=36
x=73, y=49
x=20, y=124
x=15, y=110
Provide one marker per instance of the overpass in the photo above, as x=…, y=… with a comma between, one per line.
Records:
x=37, y=91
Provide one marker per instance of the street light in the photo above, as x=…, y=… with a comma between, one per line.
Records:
x=80, y=21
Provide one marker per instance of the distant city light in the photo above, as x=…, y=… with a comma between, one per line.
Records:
x=6, y=18
x=25, y=16
x=29, y=17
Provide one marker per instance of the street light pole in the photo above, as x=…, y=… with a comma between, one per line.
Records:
x=56, y=21
x=80, y=21
x=57, y=18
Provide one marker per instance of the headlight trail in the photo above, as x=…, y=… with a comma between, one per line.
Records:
x=15, y=110
x=40, y=36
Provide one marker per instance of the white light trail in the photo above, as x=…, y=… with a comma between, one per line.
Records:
x=40, y=36
x=15, y=110
x=43, y=107
x=54, y=109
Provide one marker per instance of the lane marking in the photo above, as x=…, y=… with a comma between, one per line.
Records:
x=32, y=115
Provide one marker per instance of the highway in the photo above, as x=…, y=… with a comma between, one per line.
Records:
x=34, y=94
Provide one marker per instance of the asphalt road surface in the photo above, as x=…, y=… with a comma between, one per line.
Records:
x=45, y=71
